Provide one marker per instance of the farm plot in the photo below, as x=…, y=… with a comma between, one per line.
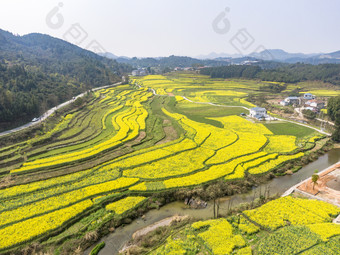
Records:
x=108, y=155
x=209, y=237
x=297, y=211
x=238, y=235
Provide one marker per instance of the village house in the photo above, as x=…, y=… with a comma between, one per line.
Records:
x=308, y=96
x=284, y=103
x=313, y=109
x=139, y=72
x=316, y=104
x=258, y=112
x=293, y=100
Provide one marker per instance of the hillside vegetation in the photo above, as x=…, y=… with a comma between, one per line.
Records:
x=284, y=73
x=38, y=72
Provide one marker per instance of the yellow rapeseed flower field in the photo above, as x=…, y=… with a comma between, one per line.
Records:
x=117, y=159
x=26, y=230
x=297, y=211
x=124, y=204
x=219, y=236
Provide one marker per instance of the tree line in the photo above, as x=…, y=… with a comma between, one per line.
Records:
x=333, y=110
x=291, y=73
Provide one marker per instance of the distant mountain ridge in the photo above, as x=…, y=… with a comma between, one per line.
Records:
x=177, y=61
x=276, y=54
x=281, y=55
x=214, y=55
x=216, y=59
x=111, y=55
x=332, y=55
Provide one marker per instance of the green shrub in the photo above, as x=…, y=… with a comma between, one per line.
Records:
x=97, y=248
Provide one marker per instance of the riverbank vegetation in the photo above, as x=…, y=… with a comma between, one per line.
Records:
x=287, y=225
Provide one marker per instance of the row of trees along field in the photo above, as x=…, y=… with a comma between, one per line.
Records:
x=333, y=110
x=289, y=73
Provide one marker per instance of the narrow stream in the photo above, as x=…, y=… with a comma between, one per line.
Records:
x=115, y=241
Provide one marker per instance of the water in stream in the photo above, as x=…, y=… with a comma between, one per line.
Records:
x=115, y=241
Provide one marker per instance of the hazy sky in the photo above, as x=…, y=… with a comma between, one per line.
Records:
x=180, y=27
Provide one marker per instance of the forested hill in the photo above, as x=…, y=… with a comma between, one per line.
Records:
x=38, y=72
x=284, y=73
x=177, y=61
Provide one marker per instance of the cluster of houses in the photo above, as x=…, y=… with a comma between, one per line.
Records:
x=139, y=72
x=184, y=69
x=308, y=101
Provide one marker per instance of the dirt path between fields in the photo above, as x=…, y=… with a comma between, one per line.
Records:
x=162, y=223
x=152, y=227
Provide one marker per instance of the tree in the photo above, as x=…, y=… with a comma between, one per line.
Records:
x=214, y=191
x=78, y=102
x=333, y=107
x=315, y=178
x=333, y=110
x=308, y=114
x=166, y=70
x=336, y=134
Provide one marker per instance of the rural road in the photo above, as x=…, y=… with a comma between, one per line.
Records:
x=299, y=111
x=328, y=122
x=51, y=111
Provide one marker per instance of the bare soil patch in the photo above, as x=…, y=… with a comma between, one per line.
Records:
x=140, y=137
x=170, y=132
x=162, y=223
x=334, y=184
x=327, y=187
x=170, y=135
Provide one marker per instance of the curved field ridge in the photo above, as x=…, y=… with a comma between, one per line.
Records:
x=127, y=143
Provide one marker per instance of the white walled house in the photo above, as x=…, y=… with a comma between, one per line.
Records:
x=258, y=112
x=135, y=73
x=284, y=103
x=308, y=96
x=293, y=100
x=139, y=72
x=317, y=104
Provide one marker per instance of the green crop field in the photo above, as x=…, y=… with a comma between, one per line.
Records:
x=288, y=128
x=105, y=159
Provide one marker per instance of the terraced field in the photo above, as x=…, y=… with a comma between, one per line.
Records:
x=284, y=226
x=104, y=160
